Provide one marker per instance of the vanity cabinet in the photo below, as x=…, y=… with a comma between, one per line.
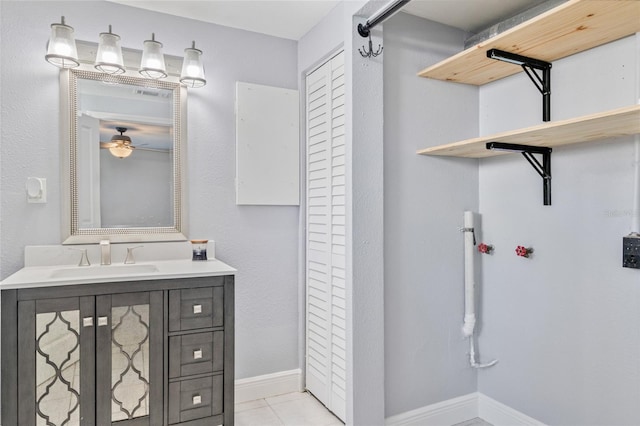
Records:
x=156, y=352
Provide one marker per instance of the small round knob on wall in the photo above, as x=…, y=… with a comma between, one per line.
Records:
x=523, y=251
x=485, y=248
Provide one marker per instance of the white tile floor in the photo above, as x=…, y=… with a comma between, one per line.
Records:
x=297, y=409
x=291, y=409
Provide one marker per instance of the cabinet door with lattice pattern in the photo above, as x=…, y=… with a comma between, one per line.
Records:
x=129, y=347
x=56, y=362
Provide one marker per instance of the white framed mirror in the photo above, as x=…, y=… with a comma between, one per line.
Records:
x=123, y=158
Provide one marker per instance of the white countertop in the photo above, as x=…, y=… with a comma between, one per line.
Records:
x=51, y=276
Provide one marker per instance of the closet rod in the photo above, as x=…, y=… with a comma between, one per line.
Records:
x=380, y=16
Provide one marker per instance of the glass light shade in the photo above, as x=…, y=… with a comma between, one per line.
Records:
x=121, y=151
x=152, y=64
x=192, y=74
x=61, y=49
x=109, y=57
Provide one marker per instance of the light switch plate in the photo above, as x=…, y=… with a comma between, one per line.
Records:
x=36, y=190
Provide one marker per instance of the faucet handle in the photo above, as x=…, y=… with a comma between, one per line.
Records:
x=129, y=259
x=84, y=259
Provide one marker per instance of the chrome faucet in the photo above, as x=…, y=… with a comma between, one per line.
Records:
x=130, y=260
x=105, y=252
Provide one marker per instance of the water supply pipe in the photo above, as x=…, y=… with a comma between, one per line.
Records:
x=469, y=290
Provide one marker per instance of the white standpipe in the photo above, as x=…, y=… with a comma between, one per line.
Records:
x=469, y=278
x=469, y=290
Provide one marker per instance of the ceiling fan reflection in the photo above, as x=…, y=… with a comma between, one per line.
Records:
x=120, y=145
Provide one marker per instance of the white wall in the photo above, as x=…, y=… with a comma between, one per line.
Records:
x=424, y=198
x=261, y=242
x=564, y=323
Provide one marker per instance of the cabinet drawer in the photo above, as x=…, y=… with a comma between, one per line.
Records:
x=195, y=399
x=194, y=308
x=196, y=354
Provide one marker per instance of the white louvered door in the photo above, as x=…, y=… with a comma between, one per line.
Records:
x=325, y=239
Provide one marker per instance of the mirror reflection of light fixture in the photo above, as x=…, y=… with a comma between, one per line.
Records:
x=61, y=49
x=109, y=56
x=192, y=69
x=121, y=151
x=152, y=64
x=120, y=145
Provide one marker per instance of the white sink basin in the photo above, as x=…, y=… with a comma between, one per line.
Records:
x=103, y=271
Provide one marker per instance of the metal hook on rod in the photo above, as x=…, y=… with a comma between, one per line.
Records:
x=370, y=53
x=377, y=18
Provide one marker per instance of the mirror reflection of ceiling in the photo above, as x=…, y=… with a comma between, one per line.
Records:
x=143, y=136
x=146, y=112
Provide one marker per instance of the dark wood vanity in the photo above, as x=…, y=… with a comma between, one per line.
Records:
x=149, y=352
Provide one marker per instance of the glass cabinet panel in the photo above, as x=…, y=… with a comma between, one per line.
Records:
x=91, y=360
x=58, y=368
x=129, y=362
x=129, y=353
x=53, y=368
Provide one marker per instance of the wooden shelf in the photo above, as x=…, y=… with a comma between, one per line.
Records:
x=619, y=122
x=572, y=27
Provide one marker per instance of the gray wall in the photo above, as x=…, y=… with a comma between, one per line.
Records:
x=261, y=242
x=564, y=323
x=424, y=200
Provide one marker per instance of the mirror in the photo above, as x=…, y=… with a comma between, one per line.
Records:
x=123, y=157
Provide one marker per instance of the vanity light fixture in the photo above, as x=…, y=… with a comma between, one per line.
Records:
x=152, y=64
x=61, y=49
x=62, y=52
x=192, y=74
x=109, y=56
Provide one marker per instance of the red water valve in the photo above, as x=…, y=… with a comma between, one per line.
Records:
x=485, y=248
x=523, y=251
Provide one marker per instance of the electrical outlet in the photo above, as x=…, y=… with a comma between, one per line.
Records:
x=631, y=251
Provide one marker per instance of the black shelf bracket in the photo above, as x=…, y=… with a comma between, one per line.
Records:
x=544, y=169
x=530, y=66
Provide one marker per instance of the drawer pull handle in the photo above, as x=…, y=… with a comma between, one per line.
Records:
x=197, y=309
x=102, y=321
x=197, y=354
x=87, y=322
x=197, y=400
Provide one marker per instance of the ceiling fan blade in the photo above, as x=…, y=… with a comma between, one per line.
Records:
x=107, y=145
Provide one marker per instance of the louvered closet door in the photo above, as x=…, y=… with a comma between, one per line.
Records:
x=325, y=217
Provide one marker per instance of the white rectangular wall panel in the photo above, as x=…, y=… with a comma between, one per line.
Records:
x=267, y=145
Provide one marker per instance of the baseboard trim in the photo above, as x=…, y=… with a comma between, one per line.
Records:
x=268, y=385
x=443, y=413
x=461, y=409
x=499, y=414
